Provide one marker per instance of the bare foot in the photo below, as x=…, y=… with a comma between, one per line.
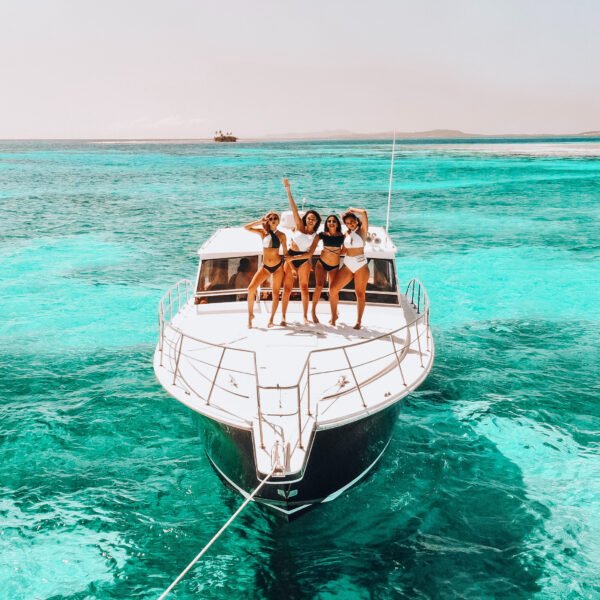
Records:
x=250, y=317
x=357, y=326
x=315, y=320
x=306, y=321
x=283, y=323
x=270, y=323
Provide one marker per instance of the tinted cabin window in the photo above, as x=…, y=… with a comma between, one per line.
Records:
x=219, y=274
x=382, y=285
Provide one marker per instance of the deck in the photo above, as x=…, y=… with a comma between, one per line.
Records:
x=286, y=381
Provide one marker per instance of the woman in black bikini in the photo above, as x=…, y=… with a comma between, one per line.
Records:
x=272, y=261
x=328, y=263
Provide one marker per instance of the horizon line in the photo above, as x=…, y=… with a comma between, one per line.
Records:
x=445, y=134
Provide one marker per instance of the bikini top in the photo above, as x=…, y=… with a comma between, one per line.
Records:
x=303, y=240
x=332, y=240
x=353, y=240
x=271, y=240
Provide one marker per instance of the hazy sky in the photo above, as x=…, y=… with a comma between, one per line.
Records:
x=183, y=68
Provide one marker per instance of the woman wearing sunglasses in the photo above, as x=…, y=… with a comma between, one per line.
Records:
x=272, y=241
x=355, y=263
x=300, y=253
x=328, y=264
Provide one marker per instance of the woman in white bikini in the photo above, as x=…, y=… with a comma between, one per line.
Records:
x=355, y=263
x=300, y=251
x=272, y=261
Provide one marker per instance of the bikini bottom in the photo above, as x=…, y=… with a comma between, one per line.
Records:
x=328, y=267
x=297, y=263
x=274, y=267
x=354, y=263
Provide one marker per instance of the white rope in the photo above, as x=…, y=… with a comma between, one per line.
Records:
x=387, y=220
x=216, y=536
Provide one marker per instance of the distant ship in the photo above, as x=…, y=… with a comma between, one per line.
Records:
x=224, y=137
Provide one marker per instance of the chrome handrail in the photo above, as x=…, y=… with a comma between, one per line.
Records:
x=173, y=297
x=420, y=289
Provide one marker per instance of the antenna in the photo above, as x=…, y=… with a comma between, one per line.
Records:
x=387, y=220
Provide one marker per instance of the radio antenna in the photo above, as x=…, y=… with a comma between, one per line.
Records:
x=387, y=220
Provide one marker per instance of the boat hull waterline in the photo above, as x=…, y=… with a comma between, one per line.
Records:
x=339, y=458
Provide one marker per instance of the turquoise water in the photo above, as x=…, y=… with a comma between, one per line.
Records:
x=491, y=484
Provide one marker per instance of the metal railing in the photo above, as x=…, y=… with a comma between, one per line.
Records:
x=212, y=362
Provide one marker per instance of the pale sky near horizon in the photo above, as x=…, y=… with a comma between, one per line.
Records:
x=184, y=68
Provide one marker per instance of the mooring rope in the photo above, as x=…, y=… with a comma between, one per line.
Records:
x=217, y=535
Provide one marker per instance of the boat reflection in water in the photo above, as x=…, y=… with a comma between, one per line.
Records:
x=311, y=407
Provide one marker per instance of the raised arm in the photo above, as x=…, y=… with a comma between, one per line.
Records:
x=297, y=219
x=361, y=213
x=254, y=227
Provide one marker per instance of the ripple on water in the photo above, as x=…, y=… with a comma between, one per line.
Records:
x=489, y=486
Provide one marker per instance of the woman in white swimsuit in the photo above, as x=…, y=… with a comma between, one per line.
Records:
x=273, y=263
x=355, y=263
x=300, y=251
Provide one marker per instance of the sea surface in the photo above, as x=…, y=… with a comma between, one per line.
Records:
x=490, y=487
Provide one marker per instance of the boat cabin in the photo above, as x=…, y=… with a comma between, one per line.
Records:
x=231, y=257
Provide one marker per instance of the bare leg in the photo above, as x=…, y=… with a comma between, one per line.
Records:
x=277, y=281
x=331, y=275
x=303, y=275
x=343, y=277
x=319, y=283
x=257, y=280
x=361, y=277
x=288, y=284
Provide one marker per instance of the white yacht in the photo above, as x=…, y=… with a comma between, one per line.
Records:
x=310, y=408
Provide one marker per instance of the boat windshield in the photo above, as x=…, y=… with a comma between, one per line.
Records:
x=220, y=274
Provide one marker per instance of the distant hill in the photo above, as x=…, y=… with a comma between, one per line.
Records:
x=343, y=134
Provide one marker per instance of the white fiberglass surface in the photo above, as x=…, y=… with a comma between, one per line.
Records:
x=338, y=359
x=281, y=351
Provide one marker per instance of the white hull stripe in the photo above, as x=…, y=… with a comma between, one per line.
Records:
x=348, y=485
x=329, y=498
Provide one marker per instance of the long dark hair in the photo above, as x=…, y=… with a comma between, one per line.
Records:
x=351, y=215
x=338, y=224
x=317, y=217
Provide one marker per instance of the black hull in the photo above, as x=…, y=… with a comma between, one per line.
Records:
x=339, y=457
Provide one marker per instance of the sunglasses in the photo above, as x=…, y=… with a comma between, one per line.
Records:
x=273, y=219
